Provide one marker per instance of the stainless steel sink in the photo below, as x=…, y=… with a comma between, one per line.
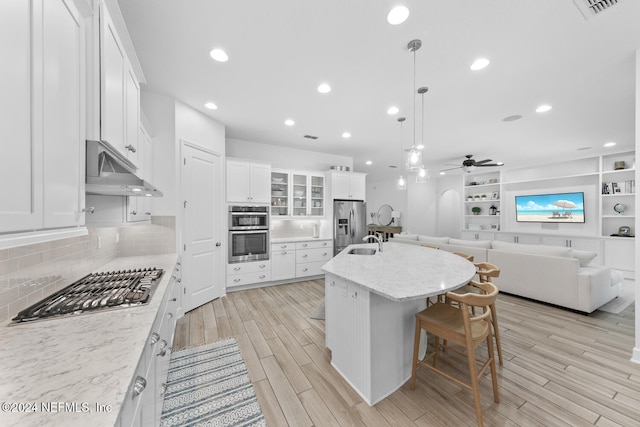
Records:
x=362, y=251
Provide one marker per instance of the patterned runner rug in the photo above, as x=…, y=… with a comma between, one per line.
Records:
x=209, y=385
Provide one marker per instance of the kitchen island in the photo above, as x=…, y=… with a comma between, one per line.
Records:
x=77, y=370
x=370, y=307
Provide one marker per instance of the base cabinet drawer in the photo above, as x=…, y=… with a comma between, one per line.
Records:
x=248, y=278
x=309, y=269
x=313, y=255
x=248, y=267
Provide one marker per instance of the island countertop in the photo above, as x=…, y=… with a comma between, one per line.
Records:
x=402, y=272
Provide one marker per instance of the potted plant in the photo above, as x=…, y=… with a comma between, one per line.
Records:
x=477, y=196
x=484, y=197
x=476, y=210
x=469, y=198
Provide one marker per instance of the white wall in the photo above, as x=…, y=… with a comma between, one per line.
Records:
x=199, y=129
x=285, y=157
x=384, y=192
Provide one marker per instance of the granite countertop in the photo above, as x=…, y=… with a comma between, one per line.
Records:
x=72, y=364
x=297, y=239
x=402, y=272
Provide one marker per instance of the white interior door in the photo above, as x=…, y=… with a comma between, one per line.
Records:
x=203, y=259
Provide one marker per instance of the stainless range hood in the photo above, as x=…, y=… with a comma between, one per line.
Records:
x=109, y=173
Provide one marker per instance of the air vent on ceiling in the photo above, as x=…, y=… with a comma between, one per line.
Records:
x=591, y=8
x=311, y=137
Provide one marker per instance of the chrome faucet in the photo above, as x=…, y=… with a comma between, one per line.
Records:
x=376, y=236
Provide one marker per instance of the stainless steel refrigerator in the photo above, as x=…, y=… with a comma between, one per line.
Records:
x=349, y=223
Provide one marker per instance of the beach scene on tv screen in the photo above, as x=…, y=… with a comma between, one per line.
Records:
x=562, y=207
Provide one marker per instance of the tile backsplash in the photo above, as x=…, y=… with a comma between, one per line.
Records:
x=32, y=272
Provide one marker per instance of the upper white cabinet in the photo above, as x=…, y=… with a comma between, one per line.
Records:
x=296, y=193
x=119, y=91
x=347, y=185
x=42, y=110
x=248, y=182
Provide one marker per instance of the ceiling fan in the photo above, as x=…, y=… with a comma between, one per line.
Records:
x=469, y=164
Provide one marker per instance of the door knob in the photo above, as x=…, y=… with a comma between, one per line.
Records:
x=218, y=244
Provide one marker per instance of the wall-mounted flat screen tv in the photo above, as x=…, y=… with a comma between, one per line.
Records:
x=559, y=207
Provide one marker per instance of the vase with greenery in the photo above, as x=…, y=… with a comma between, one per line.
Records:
x=476, y=210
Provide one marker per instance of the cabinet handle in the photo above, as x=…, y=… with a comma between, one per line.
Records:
x=90, y=210
x=139, y=385
x=262, y=265
x=324, y=244
x=284, y=252
x=134, y=213
x=236, y=280
x=218, y=244
x=305, y=269
x=131, y=148
x=147, y=213
x=236, y=269
x=262, y=276
x=283, y=246
x=304, y=245
x=169, y=315
x=324, y=254
x=355, y=295
x=305, y=255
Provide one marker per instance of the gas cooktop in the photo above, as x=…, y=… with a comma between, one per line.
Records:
x=95, y=292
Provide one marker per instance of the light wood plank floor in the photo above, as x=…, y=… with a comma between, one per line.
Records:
x=560, y=369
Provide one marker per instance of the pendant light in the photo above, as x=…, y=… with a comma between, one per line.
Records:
x=423, y=173
x=414, y=155
x=402, y=183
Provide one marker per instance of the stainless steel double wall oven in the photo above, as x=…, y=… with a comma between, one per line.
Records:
x=248, y=233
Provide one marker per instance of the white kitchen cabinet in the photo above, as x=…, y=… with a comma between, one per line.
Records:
x=620, y=255
x=248, y=182
x=297, y=194
x=283, y=261
x=43, y=115
x=347, y=185
x=477, y=235
x=526, y=239
x=247, y=273
x=119, y=91
x=311, y=256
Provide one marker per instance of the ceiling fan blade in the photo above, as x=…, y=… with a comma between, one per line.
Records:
x=480, y=162
x=450, y=169
x=488, y=164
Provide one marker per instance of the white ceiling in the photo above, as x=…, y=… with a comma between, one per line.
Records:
x=541, y=51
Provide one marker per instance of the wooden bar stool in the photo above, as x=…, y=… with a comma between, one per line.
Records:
x=458, y=325
x=486, y=272
x=465, y=256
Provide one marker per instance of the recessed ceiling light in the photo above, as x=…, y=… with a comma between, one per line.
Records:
x=211, y=106
x=324, y=88
x=219, y=55
x=543, y=108
x=368, y=162
x=346, y=135
x=443, y=173
x=610, y=144
x=289, y=122
x=393, y=110
x=397, y=15
x=479, y=64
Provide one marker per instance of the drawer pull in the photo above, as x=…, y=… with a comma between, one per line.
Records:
x=262, y=276
x=236, y=280
x=305, y=269
x=304, y=245
x=305, y=255
x=262, y=266
x=283, y=246
x=324, y=254
x=284, y=252
x=236, y=269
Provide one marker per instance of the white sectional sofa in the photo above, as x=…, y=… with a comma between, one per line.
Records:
x=555, y=275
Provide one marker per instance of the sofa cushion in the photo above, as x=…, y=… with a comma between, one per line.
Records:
x=433, y=240
x=584, y=257
x=406, y=236
x=532, y=249
x=473, y=243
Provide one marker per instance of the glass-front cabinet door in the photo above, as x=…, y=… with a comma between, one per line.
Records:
x=300, y=194
x=317, y=195
x=279, y=193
